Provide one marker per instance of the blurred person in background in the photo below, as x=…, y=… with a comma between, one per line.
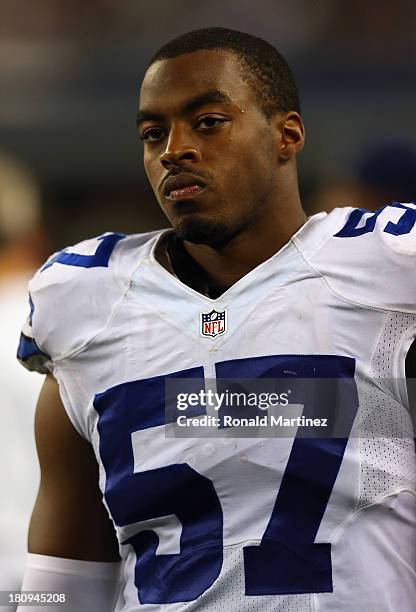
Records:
x=22, y=248
x=385, y=172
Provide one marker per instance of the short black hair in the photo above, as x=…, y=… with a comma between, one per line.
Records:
x=263, y=67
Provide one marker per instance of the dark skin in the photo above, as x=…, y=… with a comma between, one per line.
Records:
x=250, y=206
x=69, y=519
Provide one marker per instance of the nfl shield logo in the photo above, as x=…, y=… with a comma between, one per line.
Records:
x=213, y=323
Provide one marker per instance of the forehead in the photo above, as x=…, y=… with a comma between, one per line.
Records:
x=171, y=81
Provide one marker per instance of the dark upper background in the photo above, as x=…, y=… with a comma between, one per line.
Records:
x=70, y=72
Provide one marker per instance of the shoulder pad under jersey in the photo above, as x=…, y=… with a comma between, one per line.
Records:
x=73, y=296
x=368, y=257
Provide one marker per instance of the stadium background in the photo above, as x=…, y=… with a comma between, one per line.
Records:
x=70, y=159
x=70, y=73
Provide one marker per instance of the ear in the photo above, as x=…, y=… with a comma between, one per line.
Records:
x=292, y=135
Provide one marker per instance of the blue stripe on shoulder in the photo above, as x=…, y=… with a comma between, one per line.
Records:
x=99, y=259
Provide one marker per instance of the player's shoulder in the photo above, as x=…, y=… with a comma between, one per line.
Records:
x=74, y=294
x=367, y=256
x=94, y=256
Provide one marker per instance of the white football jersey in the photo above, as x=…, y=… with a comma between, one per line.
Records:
x=238, y=524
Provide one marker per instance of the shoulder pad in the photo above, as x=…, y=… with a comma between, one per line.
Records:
x=74, y=294
x=369, y=257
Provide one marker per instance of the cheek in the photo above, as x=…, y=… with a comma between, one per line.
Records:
x=245, y=159
x=240, y=172
x=153, y=170
x=247, y=179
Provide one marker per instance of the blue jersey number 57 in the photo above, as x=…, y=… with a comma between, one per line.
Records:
x=287, y=560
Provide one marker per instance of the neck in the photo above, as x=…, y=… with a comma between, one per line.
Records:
x=224, y=265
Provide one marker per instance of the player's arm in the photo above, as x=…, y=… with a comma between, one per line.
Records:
x=69, y=518
x=72, y=542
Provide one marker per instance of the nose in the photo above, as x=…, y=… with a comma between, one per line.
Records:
x=180, y=149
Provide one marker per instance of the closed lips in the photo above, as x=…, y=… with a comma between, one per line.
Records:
x=182, y=185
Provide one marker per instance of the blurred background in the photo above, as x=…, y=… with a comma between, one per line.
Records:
x=70, y=160
x=71, y=70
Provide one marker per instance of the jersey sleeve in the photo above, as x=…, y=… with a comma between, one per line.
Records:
x=72, y=297
x=370, y=257
x=28, y=352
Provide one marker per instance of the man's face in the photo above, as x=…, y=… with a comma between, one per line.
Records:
x=209, y=152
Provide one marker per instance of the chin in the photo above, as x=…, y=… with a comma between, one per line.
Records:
x=203, y=231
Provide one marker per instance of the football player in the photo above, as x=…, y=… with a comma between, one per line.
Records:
x=243, y=286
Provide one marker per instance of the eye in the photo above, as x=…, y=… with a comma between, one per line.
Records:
x=209, y=122
x=153, y=134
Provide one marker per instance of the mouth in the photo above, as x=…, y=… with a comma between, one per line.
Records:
x=182, y=187
x=183, y=193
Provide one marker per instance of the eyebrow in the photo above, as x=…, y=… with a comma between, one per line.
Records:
x=213, y=95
